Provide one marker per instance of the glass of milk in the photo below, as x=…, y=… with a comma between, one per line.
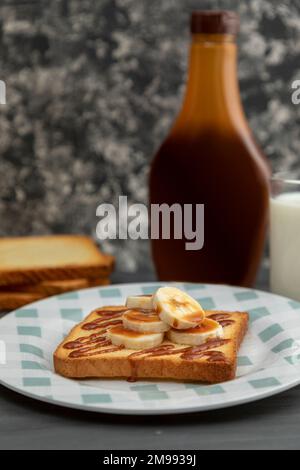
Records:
x=285, y=236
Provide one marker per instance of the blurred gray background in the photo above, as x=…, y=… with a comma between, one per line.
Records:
x=92, y=89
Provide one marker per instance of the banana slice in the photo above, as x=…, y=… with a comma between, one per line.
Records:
x=139, y=301
x=119, y=336
x=144, y=321
x=208, y=329
x=177, y=309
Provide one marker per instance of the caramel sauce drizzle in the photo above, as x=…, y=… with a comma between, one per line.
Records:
x=95, y=351
x=83, y=340
x=225, y=323
x=110, y=318
x=94, y=343
x=186, y=353
x=222, y=318
x=212, y=356
x=100, y=323
x=163, y=350
x=195, y=317
x=142, y=315
x=108, y=313
x=190, y=352
x=82, y=351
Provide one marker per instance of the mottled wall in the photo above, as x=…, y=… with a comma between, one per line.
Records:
x=92, y=88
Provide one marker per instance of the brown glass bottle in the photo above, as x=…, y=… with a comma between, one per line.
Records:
x=210, y=157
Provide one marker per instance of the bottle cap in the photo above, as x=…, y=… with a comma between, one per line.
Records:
x=215, y=22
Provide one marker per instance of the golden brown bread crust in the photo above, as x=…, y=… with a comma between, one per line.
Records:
x=98, y=282
x=34, y=276
x=46, y=288
x=12, y=297
x=30, y=260
x=12, y=300
x=119, y=364
x=159, y=368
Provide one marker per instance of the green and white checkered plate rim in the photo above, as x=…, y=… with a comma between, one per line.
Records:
x=268, y=362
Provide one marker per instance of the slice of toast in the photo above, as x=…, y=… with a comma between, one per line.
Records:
x=12, y=300
x=54, y=287
x=29, y=260
x=86, y=352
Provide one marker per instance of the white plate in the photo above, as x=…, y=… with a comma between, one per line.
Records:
x=269, y=359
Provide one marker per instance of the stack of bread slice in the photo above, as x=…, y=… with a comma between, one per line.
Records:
x=32, y=268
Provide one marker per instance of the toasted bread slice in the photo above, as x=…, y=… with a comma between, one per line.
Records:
x=55, y=287
x=98, y=282
x=29, y=260
x=86, y=352
x=12, y=300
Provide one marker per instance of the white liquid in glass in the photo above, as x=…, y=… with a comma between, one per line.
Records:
x=285, y=245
